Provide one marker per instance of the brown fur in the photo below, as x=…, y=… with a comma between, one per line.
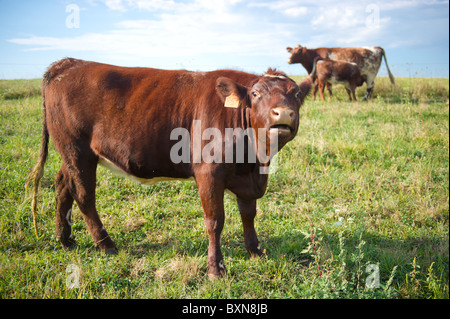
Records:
x=97, y=111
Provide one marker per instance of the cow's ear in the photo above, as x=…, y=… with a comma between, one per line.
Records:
x=289, y=49
x=305, y=87
x=230, y=92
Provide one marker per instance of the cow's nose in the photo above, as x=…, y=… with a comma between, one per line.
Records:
x=282, y=115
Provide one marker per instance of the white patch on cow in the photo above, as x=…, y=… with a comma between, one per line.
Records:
x=221, y=265
x=333, y=81
x=146, y=181
x=371, y=66
x=373, y=49
x=275, y=76
x=69, y=217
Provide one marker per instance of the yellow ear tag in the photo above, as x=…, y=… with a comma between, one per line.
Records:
x=232, y=101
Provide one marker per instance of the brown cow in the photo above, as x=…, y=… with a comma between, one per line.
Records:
x=336, y=72
x=124, y=118
x=368, y=59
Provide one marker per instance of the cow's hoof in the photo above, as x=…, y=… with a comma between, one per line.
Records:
x=258, y=253
x=69, y=243
x=111, y=251
x=213, y=276
x=217, y=271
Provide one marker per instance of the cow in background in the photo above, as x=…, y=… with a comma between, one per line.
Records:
x=368, y=59
x=336, y=72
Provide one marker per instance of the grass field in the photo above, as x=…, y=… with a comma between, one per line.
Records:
x=358, y=208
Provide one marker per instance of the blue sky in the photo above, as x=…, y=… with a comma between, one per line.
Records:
x=205, y=35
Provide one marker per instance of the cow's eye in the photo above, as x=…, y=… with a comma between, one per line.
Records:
x=298, y=95
x=255, y=93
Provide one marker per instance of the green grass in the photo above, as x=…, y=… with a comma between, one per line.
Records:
x=14, y=89
x=363, y=183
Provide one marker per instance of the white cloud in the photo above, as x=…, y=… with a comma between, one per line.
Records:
x=292, y=8
x=338, y=16
x=349, y=23
x=295, y=11
x=160, y=5
x=191, y=29
x=149, y=5
x=114, y=5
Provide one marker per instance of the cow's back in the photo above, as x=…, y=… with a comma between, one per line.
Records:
x=102, y=94
x=368, y=59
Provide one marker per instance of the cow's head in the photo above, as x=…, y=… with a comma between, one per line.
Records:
x=272, y=102
x=298, y=54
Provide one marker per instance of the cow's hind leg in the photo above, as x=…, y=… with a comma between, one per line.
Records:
x=354, y=94
x=369, y=93
x=248, y=213
x=370, y=82
x=321, y=89
x=349, y=93
x=64, y=201
x=81, y=165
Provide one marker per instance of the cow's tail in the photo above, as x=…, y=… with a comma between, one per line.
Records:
x=38, y=170
x=391, y=76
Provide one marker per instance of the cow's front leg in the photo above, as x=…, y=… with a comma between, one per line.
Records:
x=247, y=208
x=316, y=86
x=329, y=90
x=211, y=195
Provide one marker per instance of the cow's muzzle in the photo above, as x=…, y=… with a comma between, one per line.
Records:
x=282, y=119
